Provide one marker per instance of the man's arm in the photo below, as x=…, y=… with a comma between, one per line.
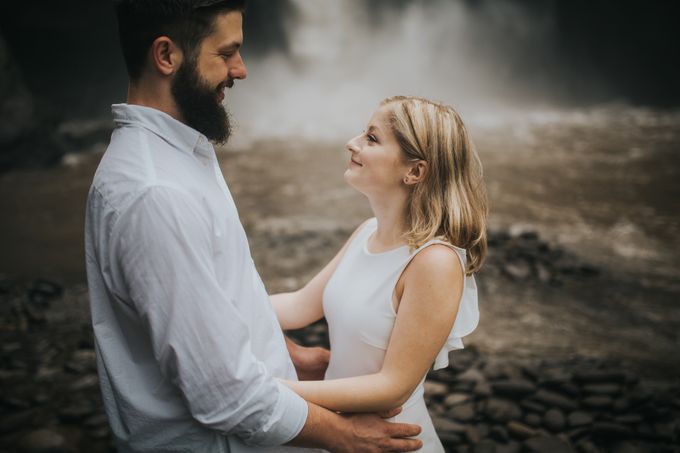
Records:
x=310, y=362
x=366, y=433
x=162, y=259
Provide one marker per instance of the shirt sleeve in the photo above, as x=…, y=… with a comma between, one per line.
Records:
x=162, y=249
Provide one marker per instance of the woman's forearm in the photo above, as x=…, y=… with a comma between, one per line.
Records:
x=369, y=393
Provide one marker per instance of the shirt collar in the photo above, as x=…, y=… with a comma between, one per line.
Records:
x=176, y=133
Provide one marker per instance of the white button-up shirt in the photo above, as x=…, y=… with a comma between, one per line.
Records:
x=188, y=345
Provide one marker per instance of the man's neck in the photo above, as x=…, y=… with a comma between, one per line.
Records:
x=155, y=95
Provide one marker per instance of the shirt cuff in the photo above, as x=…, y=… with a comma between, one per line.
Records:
x=286, y=422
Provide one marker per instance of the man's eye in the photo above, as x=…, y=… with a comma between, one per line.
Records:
x=226, y=56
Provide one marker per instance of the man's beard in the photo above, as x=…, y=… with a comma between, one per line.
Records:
x=199, y=105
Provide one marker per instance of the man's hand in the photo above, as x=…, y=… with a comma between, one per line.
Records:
x=369, y=433
x=310, y=363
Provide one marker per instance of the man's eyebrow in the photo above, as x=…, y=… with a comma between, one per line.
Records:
x=230, y=47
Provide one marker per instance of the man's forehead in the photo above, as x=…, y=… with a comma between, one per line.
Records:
x=227, y=30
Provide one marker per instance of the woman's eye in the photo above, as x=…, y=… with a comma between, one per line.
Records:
x=371, y=138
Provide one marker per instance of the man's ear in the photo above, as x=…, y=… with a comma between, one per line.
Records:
x=416, y=173
x=166, y=56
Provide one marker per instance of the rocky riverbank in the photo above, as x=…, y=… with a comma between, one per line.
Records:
x=483, y=402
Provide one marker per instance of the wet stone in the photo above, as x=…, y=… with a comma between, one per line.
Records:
x=75, y=412
x=621, y=404
x=472, y=434
x=596, y=376
x=554, y=399
x=554, y=420
x=435, y=389
x=500, y=410
x=518, y=270
x=586, y=446
x=628, y=419
x=482, y=388
x=463, y=412
x=510, y=447
x=533, y=406
x=611, y=430
x=513, y=388
x=579, y=418
x=545, y=444
x=484, y=446
x=96, y=421
x=456, y=398
x=602, y=389
x=17, y=421
x=520, y=430
x=597, y=402
x=43, y=441
x=471, y=374
x=443, y=425
x=533, y=420
x=628, y=447
x=88, y=381
x=499, y=434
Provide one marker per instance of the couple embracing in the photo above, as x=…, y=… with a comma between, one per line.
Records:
x=190, y=347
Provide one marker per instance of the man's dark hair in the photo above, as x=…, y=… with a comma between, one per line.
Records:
x=186, y=22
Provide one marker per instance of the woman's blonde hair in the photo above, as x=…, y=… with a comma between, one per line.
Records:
x=450, y=203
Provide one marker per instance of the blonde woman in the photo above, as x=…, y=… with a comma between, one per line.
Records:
x=400, y=294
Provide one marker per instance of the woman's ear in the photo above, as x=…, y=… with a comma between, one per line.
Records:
x=166, y=57
x=416, y=173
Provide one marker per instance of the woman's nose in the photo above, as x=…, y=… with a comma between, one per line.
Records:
x=351, y=146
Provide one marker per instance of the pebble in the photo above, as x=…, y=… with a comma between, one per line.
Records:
x=554, y=399
x=435, y=389
x=533, y=406
x=547, y=444
x=463, y=412
x=597, y=402
x=597, y=376
x=485, y=446
x=444, y=425
x=533, y=420
x=456, y=398
x=579, y=418
x=510, y=447
x=43, y=441
x=513, y=388
x=501, y=410
x=554, y=420
x=88, y=381
x=499, y=433
x=602, y=389
x=520, y=430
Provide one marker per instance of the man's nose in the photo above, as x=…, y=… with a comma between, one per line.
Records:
x=238, y=70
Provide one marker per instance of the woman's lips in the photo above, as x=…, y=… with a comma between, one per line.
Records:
x=355, y=162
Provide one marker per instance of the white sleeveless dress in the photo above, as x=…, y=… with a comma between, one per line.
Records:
x=357, y=303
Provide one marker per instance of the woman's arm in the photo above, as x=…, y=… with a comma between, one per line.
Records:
x=300, y=308
x=433, y=285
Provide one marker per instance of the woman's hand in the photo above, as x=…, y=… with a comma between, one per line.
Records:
x=310, y=363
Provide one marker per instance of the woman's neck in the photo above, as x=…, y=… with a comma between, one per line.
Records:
x=390, y=213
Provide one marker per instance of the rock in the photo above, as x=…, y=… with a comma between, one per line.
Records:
x=533, y=420
x=482, y=389
x=547, y=444
x=485, y=446
x=597, y=402
x=621, y=404
x=16, y=421
x=520, y=430
x=628, y=419
x=43, y=441
x=532, y=406
x=554, y=420
x=443, y=425
x=579, y=418
x=86, y=382
x=510, y=447
x=602, y=389
x=591, y=377
x=517, y=270
x=472, y=434
x=456, y=398
x=75, y=412
x=96, y=421
x=515, y=388
x=435, y=389
x=42, y=291
x=499, y=434
x=463, y=412
x=552, y=399
x=472, y=374
x=586, y=446
x=501, y=411
x=627, y=447
x=610, y=430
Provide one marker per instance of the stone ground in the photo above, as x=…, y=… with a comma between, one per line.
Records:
x=484, y=401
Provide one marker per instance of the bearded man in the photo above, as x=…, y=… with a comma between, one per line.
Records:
x=188, y=346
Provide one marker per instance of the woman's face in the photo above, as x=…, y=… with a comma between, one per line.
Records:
x=376, y=163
